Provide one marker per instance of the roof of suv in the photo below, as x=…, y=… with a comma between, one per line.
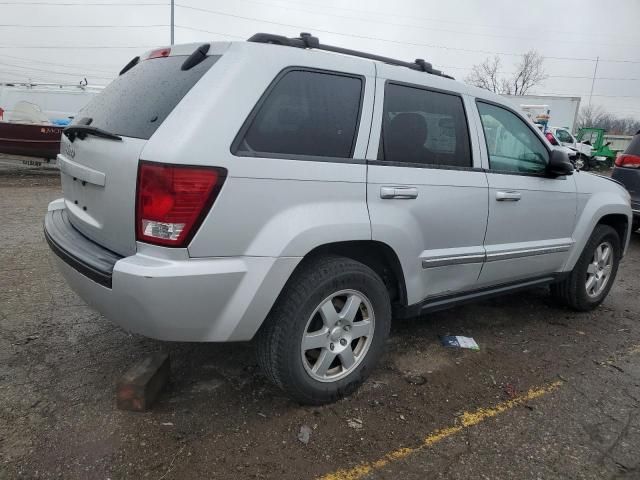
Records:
x=387, y=67
x=308, y=42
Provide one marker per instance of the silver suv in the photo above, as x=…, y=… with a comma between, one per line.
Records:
x=304, y=194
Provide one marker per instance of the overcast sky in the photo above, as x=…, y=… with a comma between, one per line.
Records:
x=96, y=38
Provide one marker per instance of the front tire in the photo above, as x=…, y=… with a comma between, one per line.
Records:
x=583, y=163
x=589, y=282
x=326, y=331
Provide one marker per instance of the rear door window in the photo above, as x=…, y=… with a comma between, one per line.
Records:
x=424, y=127
x=306, y=113
x=137, y=102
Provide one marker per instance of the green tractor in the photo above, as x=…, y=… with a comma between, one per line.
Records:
x=601, y=155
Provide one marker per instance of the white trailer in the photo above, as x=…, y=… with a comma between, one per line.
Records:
x=563, y=111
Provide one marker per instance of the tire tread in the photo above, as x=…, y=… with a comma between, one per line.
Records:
x=567, y=291
x=273, y=335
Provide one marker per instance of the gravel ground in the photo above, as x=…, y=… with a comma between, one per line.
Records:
x=219, y=418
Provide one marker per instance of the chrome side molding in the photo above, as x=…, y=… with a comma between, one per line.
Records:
x=441, y=261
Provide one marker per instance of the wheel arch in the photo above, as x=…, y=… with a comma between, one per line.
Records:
x=615, y=214
x=378, y=256
x=619, y=222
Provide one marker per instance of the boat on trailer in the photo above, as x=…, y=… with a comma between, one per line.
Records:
x=28, y=130
x=30, y=140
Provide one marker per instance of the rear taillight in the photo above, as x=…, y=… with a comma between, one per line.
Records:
x=172, y=201
x=627, y=160
x=551, y=138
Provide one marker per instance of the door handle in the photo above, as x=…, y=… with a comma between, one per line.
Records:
x=398, y=192
x=508, y=196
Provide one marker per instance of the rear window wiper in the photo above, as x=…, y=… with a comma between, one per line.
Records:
x=81, y=131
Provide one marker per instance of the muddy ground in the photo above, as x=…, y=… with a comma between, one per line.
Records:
x=220, y=419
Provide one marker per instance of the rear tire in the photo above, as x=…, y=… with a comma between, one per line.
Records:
x=326, y=331
x=594, y=273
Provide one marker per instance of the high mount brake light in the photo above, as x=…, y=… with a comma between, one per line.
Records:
x=173, y=200
x=628, y=160
x=551, y=138
x=159, y=53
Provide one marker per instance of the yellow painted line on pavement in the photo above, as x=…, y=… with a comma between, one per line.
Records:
x=468, y=419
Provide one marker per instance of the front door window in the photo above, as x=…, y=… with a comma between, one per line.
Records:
x=511, y=144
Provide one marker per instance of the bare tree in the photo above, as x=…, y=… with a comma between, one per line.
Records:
x=486, y=75
x=529, y=73
x=590, y=116
x=596, y=116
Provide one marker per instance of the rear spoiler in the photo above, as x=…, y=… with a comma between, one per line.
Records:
x=198, y=55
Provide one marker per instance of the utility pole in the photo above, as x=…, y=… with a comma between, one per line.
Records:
x=172, y=23
x=593, y=81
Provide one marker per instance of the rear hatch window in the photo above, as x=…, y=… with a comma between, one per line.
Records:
x=99, y=175
x=634, y=146
x=137, y=102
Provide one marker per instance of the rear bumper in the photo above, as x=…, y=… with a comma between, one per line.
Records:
x=166, y=295
x=89, y=258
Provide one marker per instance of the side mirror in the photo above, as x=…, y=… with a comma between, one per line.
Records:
x=559, y=164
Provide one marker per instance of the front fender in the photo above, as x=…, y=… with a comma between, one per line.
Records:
x=592, y=208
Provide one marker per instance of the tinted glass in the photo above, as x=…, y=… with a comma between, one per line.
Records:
x=307, y=113
x=634, y=146
x=136, y=103
x=512, y=145
x=564, y=136
x=424, y=127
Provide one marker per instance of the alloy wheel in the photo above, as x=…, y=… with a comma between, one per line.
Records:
x=337, y=336
x=599, y=269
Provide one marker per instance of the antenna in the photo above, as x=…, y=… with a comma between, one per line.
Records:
x=172, y=26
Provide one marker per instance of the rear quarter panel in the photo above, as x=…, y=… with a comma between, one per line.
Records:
x=267, y=206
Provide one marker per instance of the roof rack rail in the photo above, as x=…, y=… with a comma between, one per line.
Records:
x=306, y=40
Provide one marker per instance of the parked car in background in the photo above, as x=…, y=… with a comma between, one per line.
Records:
x=273, y=189
x=627, y=172
x=584, y=152
x=571, y=152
